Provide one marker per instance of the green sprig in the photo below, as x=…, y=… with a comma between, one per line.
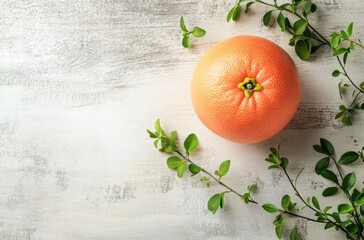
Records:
x=196, y=32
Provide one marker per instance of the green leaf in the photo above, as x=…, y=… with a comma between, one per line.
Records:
x=198, y=32
x=245, y=197
x=284, y=163
x=267, y=17
x=336, y=73
x=350, y=29
x=345, y=58
x=335, y=40
x=224, y=168
x=194, y=169
x=281, y=21
x=299, y=26
x=186, y=41
x=303, y=48
x=270, y=208
x=361, y=85
x=236, y=13
x=344, y=208
x=362, y=210
x=293, y=235
x=157, y=126
x=348, y=157
x=308, y=6
x=315, y=48
x=352, y=228
x=344, y=35
x=347, y=120
x=318, y=148
x=339, y=51
x=286, y=202
x=181, y=169
x=313, y=8
x=248, y=5
x=326, y=209
x=156, y=143
x=327, y=147
x=182, y=25
x=330, y=176
x=230, y=14
x=322, y=164
x=222, y=200
x=329, y=225
x=279, y=229
x=214, y=203
x=191, y=143
x=173, y=162
x=348, y=182
x=173, y=139
x=315, y=202
x=330, y=191
x=151, y=134
x=360, y=200
x=339, y=114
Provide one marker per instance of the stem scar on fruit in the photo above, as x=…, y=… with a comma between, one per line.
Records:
x=249, y=85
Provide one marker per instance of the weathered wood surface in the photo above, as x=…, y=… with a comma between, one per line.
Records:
x=80, y=81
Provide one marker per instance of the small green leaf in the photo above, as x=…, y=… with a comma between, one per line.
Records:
x=230, y=14
x=348, y=182
x=251, y=187
x=286, y=202
x=214, y=203
x=224, y=168
x=245, y=197
x=270, y=208
x=339, y=114
x=345, y=58
x=318, y=148
x=198, y=32
x=191, y=143
x=293, y=235
x=157, y=126
x=329, y=225
x=284, y=163
x=236, y=13
x=335, y=40
x=352, y=228
x=330, y=191
x=327, y=147
x=315, y=202
x=313, y=8
x=194, y=169
x=330, y=176
x=344, y=208
x=222, y=200
x=248, y=5
x=186, y=41
x=267, y=17
x=346, y=120
x=322, y=164
x=361, y=85
x=173, y=139
x=299, y=26
x=303, y=48
x=360, y=200
x=308, y=6
x=151, y=134
x=279, y=229
x=339, y=51
x=182, y=25
x=348, y=157
x=181, y=169
x=350, y=29
x=156, y=143
x=326, y=209
x=336, y=73
x=173, y=162
x=344, y=35
x=281, y=21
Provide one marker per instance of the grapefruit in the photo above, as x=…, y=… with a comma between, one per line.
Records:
x=245, y=89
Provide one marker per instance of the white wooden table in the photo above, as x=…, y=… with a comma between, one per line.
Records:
x=80, y=81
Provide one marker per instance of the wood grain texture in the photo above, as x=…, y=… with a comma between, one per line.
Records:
x=80, y=81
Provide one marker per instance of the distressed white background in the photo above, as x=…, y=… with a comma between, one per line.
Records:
x=80, y=81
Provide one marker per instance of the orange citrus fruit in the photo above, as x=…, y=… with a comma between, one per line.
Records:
x=245, y=89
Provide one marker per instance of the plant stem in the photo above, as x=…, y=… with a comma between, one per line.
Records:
x=213, y=177
x=300, y=197
x=300, y=216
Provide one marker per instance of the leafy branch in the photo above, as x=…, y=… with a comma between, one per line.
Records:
x=307, y=40
x=196, y=32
